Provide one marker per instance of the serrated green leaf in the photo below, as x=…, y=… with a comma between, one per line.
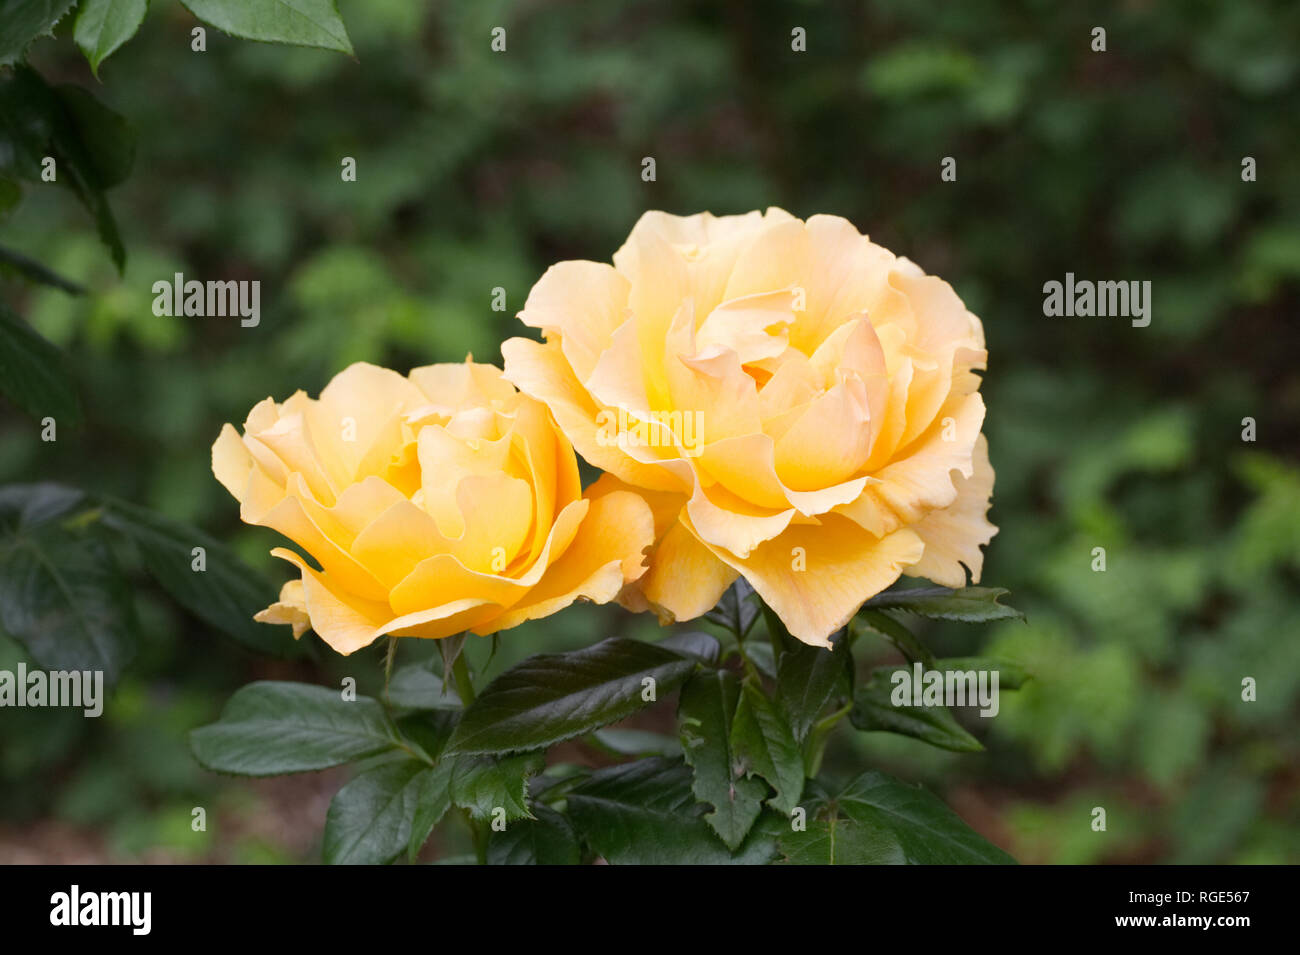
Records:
x=370, y=819
x=93, y=147
x=833, y=839
x=104, y=25
x=737, y=609
x=761, y=655
x=484, y=784
x=225, y=595
x=432, y=802
x=62, y=594
x=552, y=697
x=548, y=839
x=638, y=743
x=419, y=686
x=270, y=728
x=708, y=702
x=644, y=813
x=903, y=639
x=967, y=604
x=297, y=22
x=428, y=730
x=105, y=143
x=808, y=678
x=1011, y=676
x=874, y=707
x=555, y=781
x=929, y=832
x=27, y=117
x=874, y=711
x=694, y=643
x=22, y=21
x=33, y=374
x=763, y=744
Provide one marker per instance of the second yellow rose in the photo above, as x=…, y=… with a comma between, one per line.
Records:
x=798, y=405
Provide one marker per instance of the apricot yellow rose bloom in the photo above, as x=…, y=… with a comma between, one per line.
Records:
x=433, y=504
x=798, y=405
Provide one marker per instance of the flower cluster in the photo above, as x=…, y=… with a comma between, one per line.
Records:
x=767, y=397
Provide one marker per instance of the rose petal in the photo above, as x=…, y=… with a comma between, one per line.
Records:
x=606, y=553
x=290, y=609
x=685, y=579
x=584, y=302
x=540, y=371
x=954, y=535
x=815, y=577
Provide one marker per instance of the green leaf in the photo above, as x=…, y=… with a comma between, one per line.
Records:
x=547, y=840
x=419, y=686
x=93, y=147
x=555, y=782
x=432, y=803
x=694, y=643
x=967, y=605
x=225, y=595
x=428, y=730
x=22, y=21
x=929, y=832
x=27, y=107
x=105, y=144
x=104, y=25
x=552, y=697
x=761, y=655
x=269, y=728
x=32, y=372
x=737, y=610
x=874, y=711
x=62, y=594
x=707, y=704
x=833, y=839
x=763, y=744
x=808, y=678
x=370, y=819
x=1011, y=676
x=298, y=22
x=644, y=813
x=874, y=708
x=33, y=271
x=638, y=743
x=897, y=634
x=484, y=784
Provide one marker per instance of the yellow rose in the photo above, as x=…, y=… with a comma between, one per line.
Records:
x=799, y=405
x=433, y=504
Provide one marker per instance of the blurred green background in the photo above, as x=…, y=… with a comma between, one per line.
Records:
x=477, y=169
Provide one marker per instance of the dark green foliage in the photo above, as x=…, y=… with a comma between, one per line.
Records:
x=477, y=170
